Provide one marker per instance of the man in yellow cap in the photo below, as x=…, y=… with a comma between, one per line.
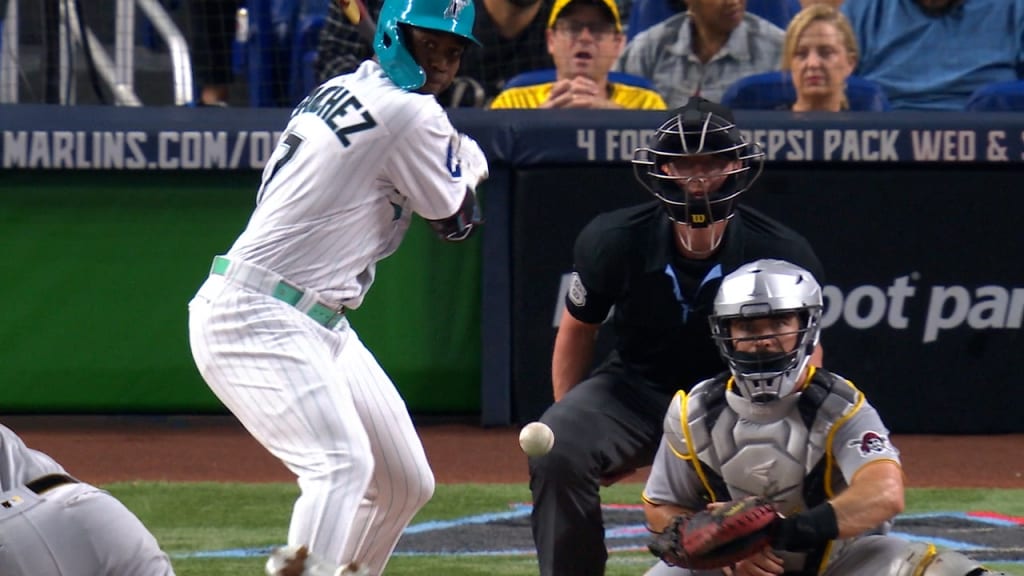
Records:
x=584, y=39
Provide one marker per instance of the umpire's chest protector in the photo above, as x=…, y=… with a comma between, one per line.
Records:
x=778, y=451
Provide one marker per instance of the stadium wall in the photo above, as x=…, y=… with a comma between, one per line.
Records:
x=110, y=218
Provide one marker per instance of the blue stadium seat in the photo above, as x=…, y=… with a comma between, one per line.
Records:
x=303, y=56
x=646, y=13
x=998, y=96
x=778, y=12
x=239, y=46
x=282, y=40
x=775, y=91
x=269, y=23
x=548, y=75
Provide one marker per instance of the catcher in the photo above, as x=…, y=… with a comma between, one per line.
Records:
x=776, y=467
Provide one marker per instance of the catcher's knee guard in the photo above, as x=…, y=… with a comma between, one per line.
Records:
x=923, y=559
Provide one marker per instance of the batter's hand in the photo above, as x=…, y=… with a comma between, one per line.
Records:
x=474, y=163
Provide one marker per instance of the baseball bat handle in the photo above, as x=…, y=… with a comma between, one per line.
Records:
x=357, y=14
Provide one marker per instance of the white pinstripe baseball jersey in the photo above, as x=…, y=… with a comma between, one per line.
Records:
x=357, y=158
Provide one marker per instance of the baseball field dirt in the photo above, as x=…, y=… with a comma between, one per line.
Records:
x=102, y=449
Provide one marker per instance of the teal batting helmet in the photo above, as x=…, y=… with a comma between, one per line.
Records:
x=452, y=16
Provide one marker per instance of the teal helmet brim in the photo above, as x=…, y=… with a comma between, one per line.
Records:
x=451, y=16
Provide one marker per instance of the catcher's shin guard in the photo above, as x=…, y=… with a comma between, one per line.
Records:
x=923, y=559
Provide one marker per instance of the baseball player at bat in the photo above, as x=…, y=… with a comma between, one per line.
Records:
x=268, y=328
x=52, y=524
x=775, y=427
x=511, y=35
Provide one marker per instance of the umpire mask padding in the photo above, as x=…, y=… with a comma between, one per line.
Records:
x=700, y=128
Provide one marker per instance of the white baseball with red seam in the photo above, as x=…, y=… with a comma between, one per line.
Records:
x=536, y=439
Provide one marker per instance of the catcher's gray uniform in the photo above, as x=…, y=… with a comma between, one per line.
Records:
x=54, y=525
x=797, y=451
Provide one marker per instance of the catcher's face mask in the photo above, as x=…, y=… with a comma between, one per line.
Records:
x=763, y=350
x=766, y=323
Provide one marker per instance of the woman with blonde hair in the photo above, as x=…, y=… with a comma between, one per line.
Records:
x=820, y=51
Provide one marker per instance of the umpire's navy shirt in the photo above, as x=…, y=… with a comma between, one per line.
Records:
x=628, y=258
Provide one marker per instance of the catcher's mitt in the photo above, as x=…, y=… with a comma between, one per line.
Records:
x=716, y=538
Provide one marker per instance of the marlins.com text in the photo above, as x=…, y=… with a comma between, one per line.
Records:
x=137, y=150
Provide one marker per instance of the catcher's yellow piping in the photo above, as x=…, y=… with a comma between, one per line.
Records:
x=824, y=559
x=807, y=380
x=928, y=557
x=681, y=394
x=831, y=437
x=689, y=446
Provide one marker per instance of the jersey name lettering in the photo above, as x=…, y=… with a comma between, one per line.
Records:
x=334, y=105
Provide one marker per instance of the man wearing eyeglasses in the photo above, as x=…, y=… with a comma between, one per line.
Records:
x=584, y=38
x=702, y=51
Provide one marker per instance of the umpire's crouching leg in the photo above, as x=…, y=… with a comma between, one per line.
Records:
x=602, y=426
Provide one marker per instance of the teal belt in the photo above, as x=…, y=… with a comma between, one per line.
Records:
x=323, y=315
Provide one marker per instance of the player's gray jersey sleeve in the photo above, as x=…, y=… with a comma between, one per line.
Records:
x=672, y=479
x=861, y=439
x=429, y=169
x=20, y=464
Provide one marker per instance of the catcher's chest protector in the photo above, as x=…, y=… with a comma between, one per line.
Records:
x=774, y=452
x=777, y=452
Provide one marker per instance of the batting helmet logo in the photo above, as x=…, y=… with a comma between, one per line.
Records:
x=455, y=7
x=872, y=443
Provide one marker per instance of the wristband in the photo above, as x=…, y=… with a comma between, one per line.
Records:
x=807, y=530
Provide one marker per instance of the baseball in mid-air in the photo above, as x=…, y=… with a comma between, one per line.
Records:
x=536, y=439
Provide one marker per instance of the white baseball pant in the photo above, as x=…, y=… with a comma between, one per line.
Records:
x=317, y=399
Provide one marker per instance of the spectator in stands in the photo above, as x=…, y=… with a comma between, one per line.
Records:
x=584, y=39
x=340, y=49
x=640, y=15
x=820, y=51
x=703, y=50
x=213, y=29
x=932, y=54
x=511, y=34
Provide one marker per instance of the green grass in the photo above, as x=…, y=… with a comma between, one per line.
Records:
x=187, y=517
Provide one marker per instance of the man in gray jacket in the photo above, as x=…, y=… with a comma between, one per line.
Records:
x=702, y=51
